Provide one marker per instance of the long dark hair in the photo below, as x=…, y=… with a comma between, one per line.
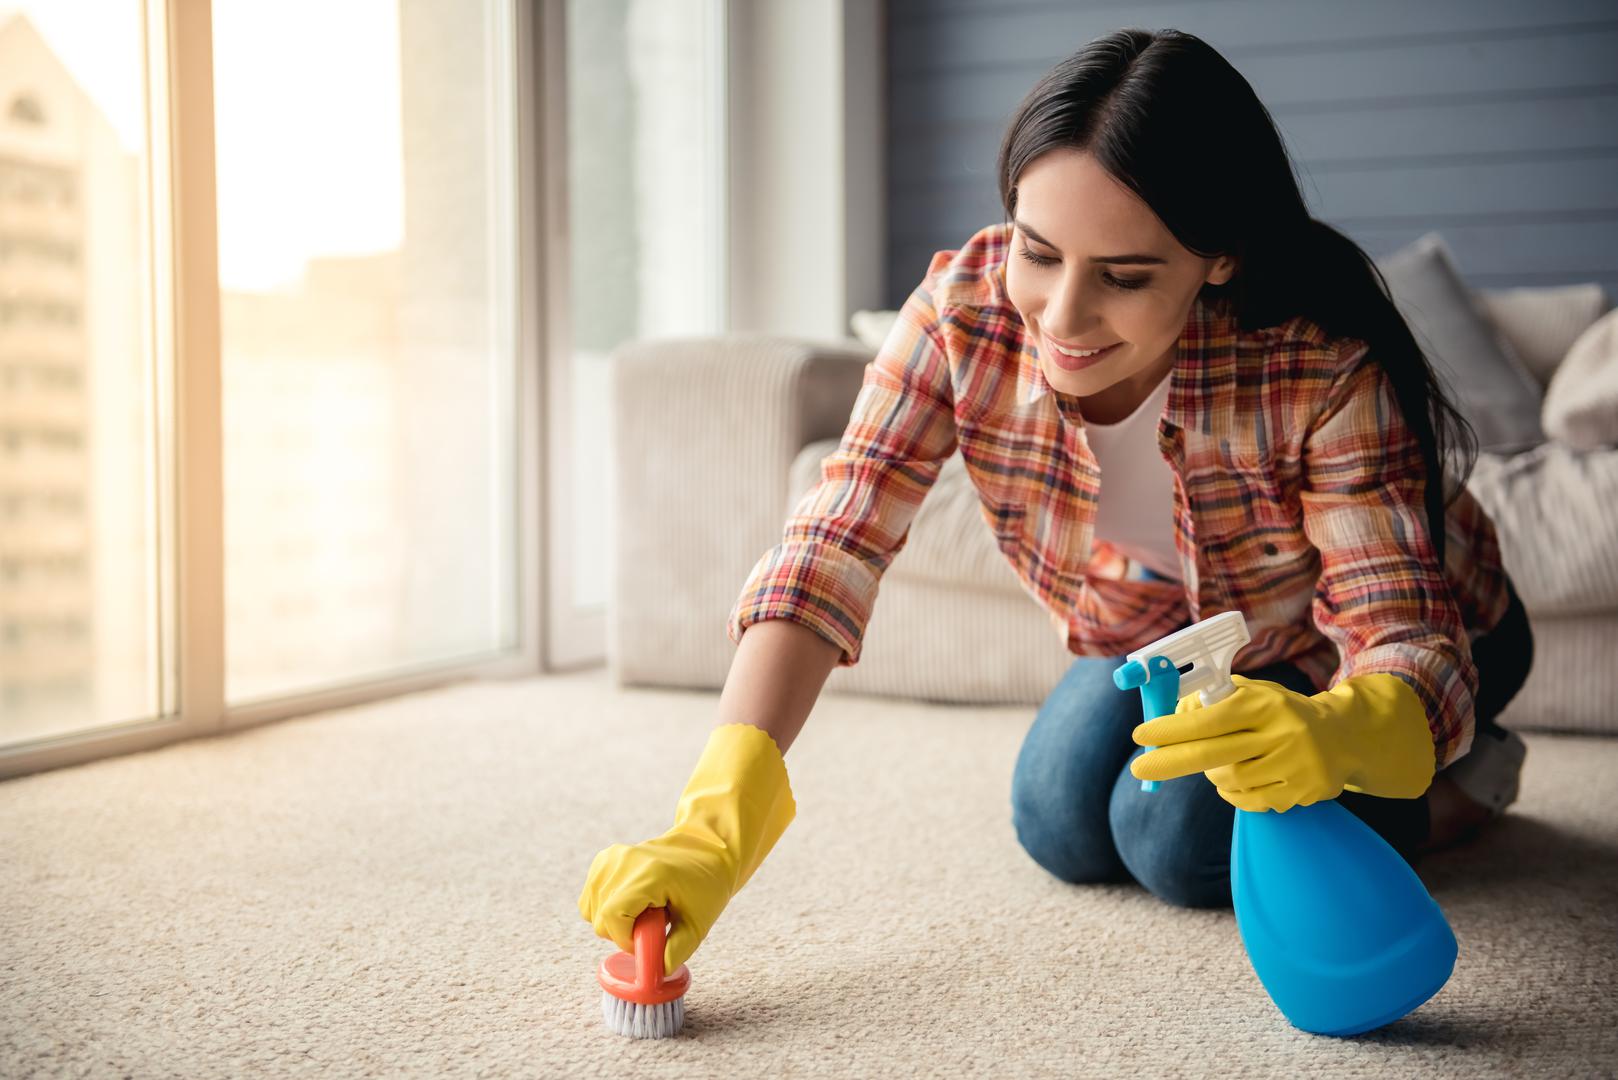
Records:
x=1169, y=118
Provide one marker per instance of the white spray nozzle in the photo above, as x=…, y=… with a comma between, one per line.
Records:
x=1209, y=646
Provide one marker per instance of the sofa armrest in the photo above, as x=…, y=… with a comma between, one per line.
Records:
x=705, y=433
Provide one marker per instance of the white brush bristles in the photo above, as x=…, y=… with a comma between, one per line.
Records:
x=643, y=1021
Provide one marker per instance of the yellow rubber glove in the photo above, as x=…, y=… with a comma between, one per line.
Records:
x=1269, y=748
x=734, y=808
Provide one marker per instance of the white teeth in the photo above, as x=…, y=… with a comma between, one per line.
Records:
x=1076, y=352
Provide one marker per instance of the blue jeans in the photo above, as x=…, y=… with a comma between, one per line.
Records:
x=1081, y=814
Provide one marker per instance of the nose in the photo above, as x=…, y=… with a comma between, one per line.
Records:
x=1071, y=322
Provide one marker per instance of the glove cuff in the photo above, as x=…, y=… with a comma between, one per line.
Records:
x=1383, y=731
x=738, y=796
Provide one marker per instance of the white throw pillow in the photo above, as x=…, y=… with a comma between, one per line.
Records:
x=872, y=327
x=1543, y=321
x=1581, y=403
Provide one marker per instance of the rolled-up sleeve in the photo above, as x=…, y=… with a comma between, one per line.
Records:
x=1382, y=597
x=843, y=533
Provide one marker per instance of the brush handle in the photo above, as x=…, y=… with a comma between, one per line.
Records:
x=650, y=932
x=639, y=978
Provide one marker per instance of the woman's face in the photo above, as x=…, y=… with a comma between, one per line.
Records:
x=1071, y=212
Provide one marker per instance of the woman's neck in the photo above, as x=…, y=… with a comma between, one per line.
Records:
x=1118, y=401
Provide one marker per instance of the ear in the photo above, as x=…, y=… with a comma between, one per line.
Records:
x=1222, y=270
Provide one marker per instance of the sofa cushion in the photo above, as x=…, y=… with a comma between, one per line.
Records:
x=1542, y=322
x=1555, y=510
x=1486, y=380
x=1573, y=681
x=1581, y=404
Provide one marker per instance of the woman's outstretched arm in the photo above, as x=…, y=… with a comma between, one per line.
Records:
x=777, y=673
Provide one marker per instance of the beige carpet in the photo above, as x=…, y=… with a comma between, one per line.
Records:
x=390, y=890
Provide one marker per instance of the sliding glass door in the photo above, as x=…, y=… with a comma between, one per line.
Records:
x=269, y=372
x=366, y=271
x=79, y=506
x=306, y=318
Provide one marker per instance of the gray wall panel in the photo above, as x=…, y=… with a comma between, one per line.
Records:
x=1383, y=75
x=986, y=35
x=1469, y=131
x=1494, y=122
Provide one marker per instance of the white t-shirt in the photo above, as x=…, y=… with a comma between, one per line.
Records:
x=1136, y=509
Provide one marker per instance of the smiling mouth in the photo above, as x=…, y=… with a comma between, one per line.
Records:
x=1068, y=362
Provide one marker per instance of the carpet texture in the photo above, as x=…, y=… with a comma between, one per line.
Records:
x=391, y=890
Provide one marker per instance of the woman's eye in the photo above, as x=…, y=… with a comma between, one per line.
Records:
x=1115, y=282
x=1126, y=283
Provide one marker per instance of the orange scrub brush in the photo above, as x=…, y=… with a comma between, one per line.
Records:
x=637, y=999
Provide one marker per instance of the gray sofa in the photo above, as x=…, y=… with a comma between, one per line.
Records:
x=717, y=438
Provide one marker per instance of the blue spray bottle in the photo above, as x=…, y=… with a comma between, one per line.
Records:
x=1339, y=929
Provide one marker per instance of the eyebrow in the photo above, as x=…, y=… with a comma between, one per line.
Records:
x=1147, y=259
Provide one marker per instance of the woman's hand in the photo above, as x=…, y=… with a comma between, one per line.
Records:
x=680, y=871
x=734, y=808
x=1269, y=748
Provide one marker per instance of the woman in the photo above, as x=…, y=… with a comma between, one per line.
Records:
x=1159, y=310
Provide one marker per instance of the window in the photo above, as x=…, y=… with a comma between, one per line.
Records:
x=346, y=372
x=270, y=399
x=366, y=249
x=77, y=491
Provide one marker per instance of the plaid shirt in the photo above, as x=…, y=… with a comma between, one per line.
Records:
x=1298, y=497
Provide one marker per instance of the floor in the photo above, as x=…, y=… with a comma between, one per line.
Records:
x=391, y=889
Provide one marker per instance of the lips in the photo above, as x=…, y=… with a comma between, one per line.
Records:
x=1077, y=363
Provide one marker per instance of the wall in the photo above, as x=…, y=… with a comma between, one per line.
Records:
x=1494, y=122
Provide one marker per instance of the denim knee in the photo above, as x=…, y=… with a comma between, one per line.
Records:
x=1175, y=841
x=1064, y=773
x=1057, y=833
